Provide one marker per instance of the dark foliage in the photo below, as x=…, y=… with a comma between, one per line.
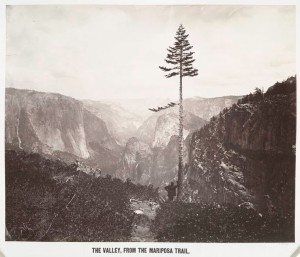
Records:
x=190, y=222
x=246, y=155
x=256, y=139
x=285, y=87
x=180, y=57
x=48, y=200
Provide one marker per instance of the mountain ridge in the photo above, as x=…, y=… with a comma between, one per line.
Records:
x=50, y=123
x=234, y=158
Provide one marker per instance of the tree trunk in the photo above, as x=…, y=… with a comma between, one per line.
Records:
x=180, y=140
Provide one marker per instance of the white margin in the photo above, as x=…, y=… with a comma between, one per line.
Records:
x=39, y=249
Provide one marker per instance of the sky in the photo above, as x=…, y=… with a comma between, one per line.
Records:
x=110, y=52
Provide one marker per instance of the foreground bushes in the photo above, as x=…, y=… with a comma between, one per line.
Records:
x=188, y=222
x=47, y=200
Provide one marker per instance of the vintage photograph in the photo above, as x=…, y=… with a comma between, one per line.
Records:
x=156, y=123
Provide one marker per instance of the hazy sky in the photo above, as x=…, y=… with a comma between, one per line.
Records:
x=98, y=52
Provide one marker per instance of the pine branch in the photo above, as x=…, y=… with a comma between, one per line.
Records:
x=188, y=54
x=172, y=50
x=181, y=37
x=188, y=62
x=188, y=69
x=187, y=59
x=165, y=68
x=192, y=73
x=187, y=48
x=172, y=74
x=171, y=62
x=185, y=43
x=169, y=105
x=173, y=56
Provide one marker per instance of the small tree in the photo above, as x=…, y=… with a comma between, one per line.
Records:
x=180, y=60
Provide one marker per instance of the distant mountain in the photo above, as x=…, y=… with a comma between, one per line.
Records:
x=206, y=108
x=159, y=127
x=121, y=123
x=108, y=134
x=165, y=162
x=203, y=108
x=246, y=154
x=145, y=165
x=160, y=132
x=156, y=163
x=52, y=123
x=146, y=132
x=167, y=126
x=138, y=106
x=136, y=162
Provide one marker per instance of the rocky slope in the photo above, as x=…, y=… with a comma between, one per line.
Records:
x=135, y=162
x=247, y=153
x=48, y=200
x=53, y=123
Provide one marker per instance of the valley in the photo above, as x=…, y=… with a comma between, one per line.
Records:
x=238, y=154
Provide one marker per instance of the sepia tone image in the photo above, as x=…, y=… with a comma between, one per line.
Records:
x=150, y=123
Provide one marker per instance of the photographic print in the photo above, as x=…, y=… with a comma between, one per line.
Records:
x=150, y=123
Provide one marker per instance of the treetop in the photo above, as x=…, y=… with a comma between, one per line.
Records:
x=180, y=57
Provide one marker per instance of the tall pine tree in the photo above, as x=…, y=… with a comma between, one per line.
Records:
x=180, y=63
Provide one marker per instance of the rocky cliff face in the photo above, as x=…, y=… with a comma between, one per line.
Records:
x=146, y=131
x=136, y=161
x=145, y=165
x=247, y=153
x=159, y=133
x=160, y=127
x=51, y=123
x=165, y=162
x=167, y=126
x=198, y=110
x=121, y=124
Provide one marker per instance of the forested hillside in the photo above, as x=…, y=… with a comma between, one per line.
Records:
x=48, y=200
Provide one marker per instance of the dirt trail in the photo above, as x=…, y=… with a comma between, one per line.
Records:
x=145, y=212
